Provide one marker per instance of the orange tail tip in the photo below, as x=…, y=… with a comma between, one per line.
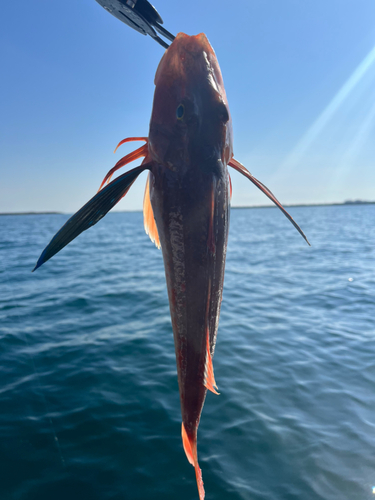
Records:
x=129, y=139
x=209, y=381
x=191, y=454
x=198, y=475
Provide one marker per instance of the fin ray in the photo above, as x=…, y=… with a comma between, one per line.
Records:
x=148, y=216
x=187, y=446
x=243, y=170
x=130, y=139
x=209, y=382
x=134, y=155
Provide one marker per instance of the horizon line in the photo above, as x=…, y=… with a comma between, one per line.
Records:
x=328, y=204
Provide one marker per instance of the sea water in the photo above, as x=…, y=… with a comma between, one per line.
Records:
x=89, y=403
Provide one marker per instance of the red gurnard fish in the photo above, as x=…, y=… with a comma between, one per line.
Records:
x=186, y=211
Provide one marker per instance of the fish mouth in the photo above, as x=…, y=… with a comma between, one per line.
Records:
x=181, y=57
x=193, y=44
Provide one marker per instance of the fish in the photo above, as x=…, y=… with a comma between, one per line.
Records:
x=186, y=211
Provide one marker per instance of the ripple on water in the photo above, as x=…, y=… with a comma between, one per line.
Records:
x=89, y=399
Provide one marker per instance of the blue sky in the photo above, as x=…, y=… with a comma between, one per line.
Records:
x=299, y=75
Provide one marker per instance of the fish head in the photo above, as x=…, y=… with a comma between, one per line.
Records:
x=190, y=122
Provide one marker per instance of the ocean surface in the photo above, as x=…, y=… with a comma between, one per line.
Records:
x=89, y=403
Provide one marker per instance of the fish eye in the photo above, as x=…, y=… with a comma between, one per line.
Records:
x=180, y=111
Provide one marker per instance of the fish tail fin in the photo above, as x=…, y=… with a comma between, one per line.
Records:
x=198, y=475
x=190, y=447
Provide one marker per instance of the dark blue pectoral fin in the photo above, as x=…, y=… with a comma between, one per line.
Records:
x=243, y=170
x=91, y=213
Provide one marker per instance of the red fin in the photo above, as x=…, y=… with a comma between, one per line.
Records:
x=148, y=216
x=129, y=139
x=243, y=170
x=198, y=475
x=134, y=155
x=209, y=382
x=190, y=448
x=187, y=447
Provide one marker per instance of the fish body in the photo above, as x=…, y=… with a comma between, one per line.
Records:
x=189, y=192
x=186, y=211
x=193, y=233
x=190, y=145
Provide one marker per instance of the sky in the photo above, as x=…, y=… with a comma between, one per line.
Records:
x=299, y=76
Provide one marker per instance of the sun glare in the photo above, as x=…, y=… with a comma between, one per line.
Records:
x=340, y=134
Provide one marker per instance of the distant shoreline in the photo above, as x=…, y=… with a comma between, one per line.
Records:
x=30, y=213
x=349, y=202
